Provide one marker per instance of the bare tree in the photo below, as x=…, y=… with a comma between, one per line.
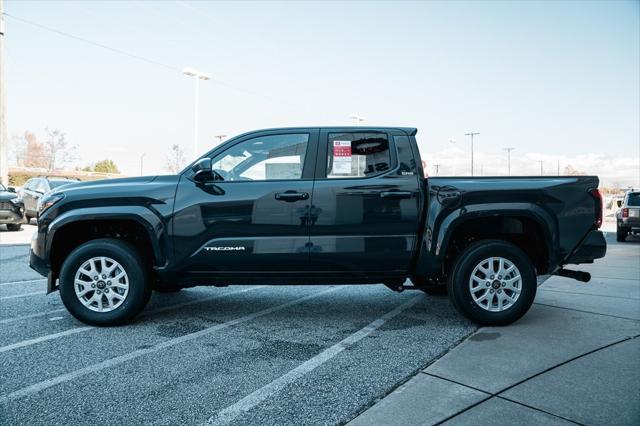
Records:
x=60, y=151
x=175, y=159
x=35, y=152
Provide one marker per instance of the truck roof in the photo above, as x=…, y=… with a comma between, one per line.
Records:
x=411, y=131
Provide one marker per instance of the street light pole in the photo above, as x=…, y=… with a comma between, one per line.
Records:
x=509, y=149
x=220, y=137
x=472, y=134
x=198, y=75
x=142, y=162
x=357, y=119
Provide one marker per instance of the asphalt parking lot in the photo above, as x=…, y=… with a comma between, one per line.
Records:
x=235, y=355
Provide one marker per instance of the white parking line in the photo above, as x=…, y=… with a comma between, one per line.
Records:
x=76, y=330
x=230, y=413
x=22, y=282
x=63, y=378
x=40, y=314
x=17, y=296
x=43, y=339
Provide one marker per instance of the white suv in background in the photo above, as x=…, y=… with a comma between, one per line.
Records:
x=628, y=215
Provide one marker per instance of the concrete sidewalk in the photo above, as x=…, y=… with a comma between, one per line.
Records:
x=574, y=358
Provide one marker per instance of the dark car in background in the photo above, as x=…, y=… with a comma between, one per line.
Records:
x=35, y=188
x=628, y=216
x=11, y=208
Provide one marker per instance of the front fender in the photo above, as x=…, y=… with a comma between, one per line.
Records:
x=153, y=224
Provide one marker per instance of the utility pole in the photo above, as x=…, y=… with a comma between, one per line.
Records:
x=437, y=167
x=4, y=143
x=509, y=149
x=541, y=165
x=558, y=167
x=472, y=134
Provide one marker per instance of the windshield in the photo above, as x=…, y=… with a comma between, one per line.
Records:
x=634, y=199
x=2, y=187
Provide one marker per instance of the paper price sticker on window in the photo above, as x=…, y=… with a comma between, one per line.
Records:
x=342, y=148
x=342, y=157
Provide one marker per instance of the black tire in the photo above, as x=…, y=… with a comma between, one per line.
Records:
x=621, y=235
x=132, y=263
x=429, y=288
x=460, y=293
x=14, y=226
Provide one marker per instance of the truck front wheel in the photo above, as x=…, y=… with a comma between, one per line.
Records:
x=103, y=282
x=492, y=283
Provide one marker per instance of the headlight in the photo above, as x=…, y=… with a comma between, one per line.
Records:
x=48, y=200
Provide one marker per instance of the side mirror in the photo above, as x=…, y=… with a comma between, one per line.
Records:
x=201, y=168
x=619, y=203
x=11, y=189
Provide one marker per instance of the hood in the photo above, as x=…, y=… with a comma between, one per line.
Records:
x=7, y=195
x=106, y=183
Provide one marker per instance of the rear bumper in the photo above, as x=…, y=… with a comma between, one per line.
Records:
x=593, y=246
x=629, y=223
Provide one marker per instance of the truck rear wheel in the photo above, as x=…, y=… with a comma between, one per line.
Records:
x=103, y=282
x=492, y=283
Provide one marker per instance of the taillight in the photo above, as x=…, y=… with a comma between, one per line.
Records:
x=595, y=193
x=625, y=212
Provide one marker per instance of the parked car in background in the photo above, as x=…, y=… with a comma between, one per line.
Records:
x=11, y=208
x=35, y=188
x=628, y=216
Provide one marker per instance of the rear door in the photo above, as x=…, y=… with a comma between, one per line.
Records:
x=255, y=220
x=366, y=196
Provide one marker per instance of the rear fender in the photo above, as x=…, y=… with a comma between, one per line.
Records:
x=440, y=230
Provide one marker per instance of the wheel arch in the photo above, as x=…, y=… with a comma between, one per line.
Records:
x=138, y=225
x=504, y=221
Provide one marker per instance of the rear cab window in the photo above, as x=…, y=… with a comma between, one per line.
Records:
x=358, y=155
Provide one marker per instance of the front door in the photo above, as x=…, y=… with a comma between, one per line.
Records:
x=253, y=218
x=365, y=203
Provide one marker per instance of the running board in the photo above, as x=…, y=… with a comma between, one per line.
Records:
x=584, y=277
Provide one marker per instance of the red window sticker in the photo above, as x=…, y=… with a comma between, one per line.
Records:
x=342, y=148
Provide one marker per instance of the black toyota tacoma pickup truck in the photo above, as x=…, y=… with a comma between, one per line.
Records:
x=315, y=205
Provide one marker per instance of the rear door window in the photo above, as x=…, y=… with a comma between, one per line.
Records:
x=357, y=155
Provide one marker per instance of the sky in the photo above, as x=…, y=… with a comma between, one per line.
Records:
x=558, y=81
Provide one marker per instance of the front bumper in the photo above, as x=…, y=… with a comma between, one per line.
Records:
x=38, y=262
x=593, y=246
x=14, y=216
